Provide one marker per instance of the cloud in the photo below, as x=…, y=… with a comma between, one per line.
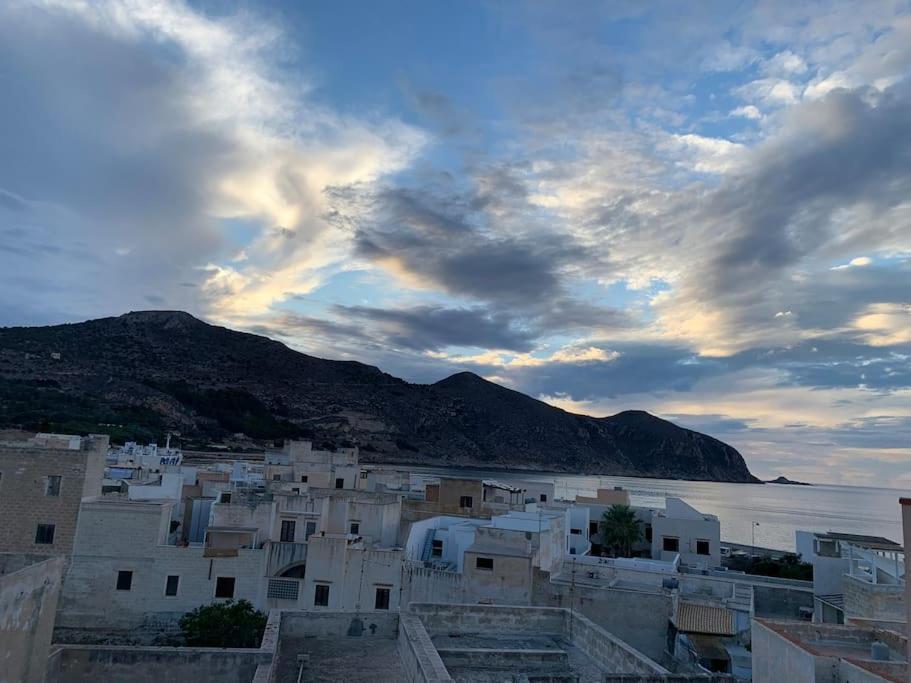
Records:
x=147, y=126
x=432, y=328
x=747, y=111
x=885, y=324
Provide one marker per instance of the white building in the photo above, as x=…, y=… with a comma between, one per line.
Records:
x=854, y=576
x=299, y=463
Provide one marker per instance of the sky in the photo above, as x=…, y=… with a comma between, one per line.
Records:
x=702, y=210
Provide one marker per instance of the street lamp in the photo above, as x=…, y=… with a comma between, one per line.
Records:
x=753, y=539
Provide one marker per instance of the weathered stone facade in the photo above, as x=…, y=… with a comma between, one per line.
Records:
x=27, y=499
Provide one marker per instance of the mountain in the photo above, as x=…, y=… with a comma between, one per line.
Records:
x=144, y=373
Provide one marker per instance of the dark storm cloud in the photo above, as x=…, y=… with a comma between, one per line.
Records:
x=851, y=147
x=433, y=328
x=440, y=238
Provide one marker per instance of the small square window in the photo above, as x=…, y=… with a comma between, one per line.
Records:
x=355, y=528
x=321, y=596
x=702, y=547
x=670, y=544
x=171, y=585
x=576, y=532
x=52, y=486
x=226, y=497
x=276, y=477
x=303, y=479
x=543, y=497
x=485, y=563
x=224, y=587
x=124, y=580
x=382, y=599
x=44, y=534
x=437, y=549
x=466, y=502
x=339, y=483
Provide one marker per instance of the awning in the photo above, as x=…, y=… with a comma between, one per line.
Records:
x=693, y=617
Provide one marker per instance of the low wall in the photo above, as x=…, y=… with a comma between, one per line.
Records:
x=493, y=619
x=91, y=663
x=302, y=624
x=609, y=651
x=420, y=659
x=780, y=602
x=638, y=617
x=606, y=649
x=152, y=628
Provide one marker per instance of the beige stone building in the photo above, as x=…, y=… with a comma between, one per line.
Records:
x=42, y=481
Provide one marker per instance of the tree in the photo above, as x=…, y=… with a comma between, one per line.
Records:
x=620, y=529
x=224, y=624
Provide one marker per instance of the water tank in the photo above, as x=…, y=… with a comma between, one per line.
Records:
x=879, y=651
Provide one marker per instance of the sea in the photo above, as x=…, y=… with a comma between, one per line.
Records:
x=764, y=515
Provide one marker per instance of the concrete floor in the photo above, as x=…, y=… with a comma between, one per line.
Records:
x=373, y=660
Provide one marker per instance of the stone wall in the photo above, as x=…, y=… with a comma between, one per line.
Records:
x=92, y=663
x=28, y=600
x=873, y=601
x=24, y=503
x=608, y=650
x=492, y=619
x=638, y=617
x=420, y=659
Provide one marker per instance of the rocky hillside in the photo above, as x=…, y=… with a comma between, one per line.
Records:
x=143, y=373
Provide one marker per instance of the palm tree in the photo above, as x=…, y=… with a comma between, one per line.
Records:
x=620, y=529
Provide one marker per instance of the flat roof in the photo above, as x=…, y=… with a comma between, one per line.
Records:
x=871, y=542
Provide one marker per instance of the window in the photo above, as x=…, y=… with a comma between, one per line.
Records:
x=648, y=533
x=702, y=547
x=592, y=529
x=382, y=599
x=226, y=497
x=576, y=532
x=310, y=529
x=437, y=549
x=44, y=534
x=670, y=544
x=52, y=486
x=543, y=497
x=224, y=587
x=124, y=580
x=287, y=533
x=355, y=528
x=170, y=586
x=321, y=595
x=466, y=502
x=484, y=563
x=363, y=474
x=303, y=479
x=276, y=477
x=432, y=493
x=339, y=483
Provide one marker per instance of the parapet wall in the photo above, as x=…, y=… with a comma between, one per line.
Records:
x=441, y=618
x=611, y=653
x=91, y=663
